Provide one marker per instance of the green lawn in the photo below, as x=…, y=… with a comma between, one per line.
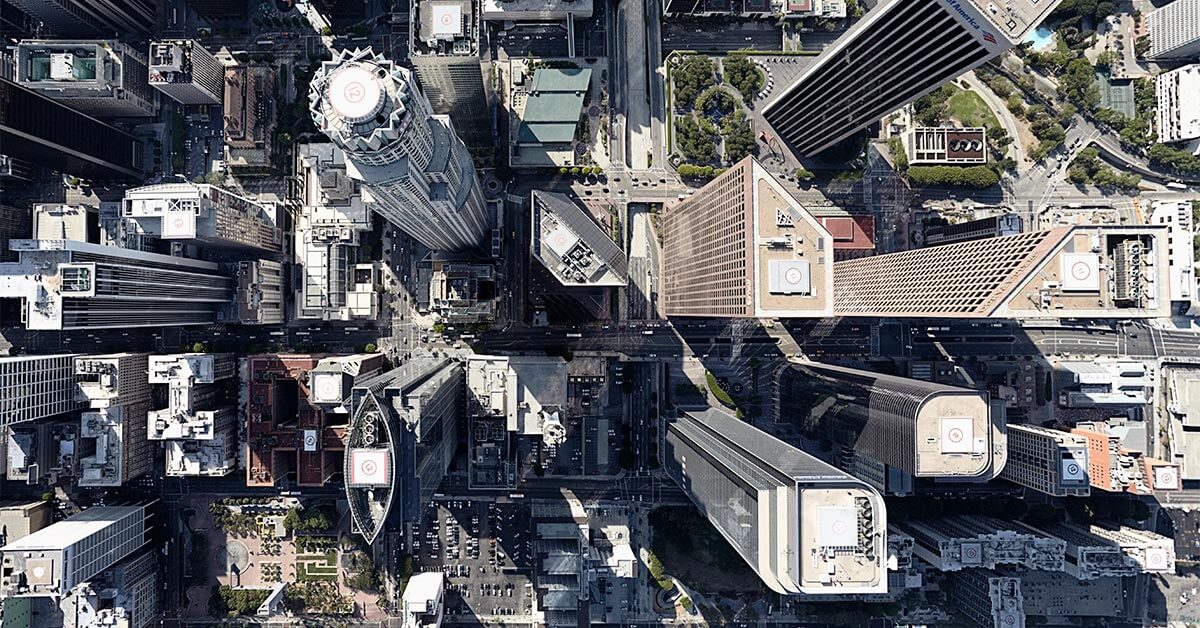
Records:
x=970, y=110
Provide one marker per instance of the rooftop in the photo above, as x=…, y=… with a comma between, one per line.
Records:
x=569, y=243
x=553, y=105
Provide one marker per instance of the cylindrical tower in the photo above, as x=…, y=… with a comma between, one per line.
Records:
x=417, y=170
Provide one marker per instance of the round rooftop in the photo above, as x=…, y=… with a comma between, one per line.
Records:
x=355, y=93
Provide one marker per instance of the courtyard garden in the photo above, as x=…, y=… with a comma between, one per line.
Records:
x=711, y=129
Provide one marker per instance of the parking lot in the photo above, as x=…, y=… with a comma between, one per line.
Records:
x=484, y=549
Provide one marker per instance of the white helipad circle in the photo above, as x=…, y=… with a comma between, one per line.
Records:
x=310, y=440
x=178, y=223
x=447, y=19
x=970, y=553
x=955, y=435
x=354, y=92
x=326, y=389
x=839, y=527
x=39, y=572
x=368, y=467
x=793, y=276
x=1072, y=469
x=1081, y=271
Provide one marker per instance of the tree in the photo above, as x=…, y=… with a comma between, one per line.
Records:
x=695, y=139
x=743, y=74
x=198, y=347
x=804, y=174
x=370, y=348
x=739, y=136
x=691, y=77
x=974, y=176
x=715, y=103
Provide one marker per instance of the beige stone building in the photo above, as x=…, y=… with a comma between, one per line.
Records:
x=742, y=246
x=1077, y=272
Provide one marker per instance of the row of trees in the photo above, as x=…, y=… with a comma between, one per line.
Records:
x=1175, y=160
x=580, y=170
x=973, y=176
x=689, y=171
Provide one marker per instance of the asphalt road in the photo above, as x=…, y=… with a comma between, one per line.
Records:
x=728, y=36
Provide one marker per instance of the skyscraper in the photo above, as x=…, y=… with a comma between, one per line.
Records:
x=112, y=445
x=444, y=49
x=1085, y=271
x=198, y=426
x=54, y=560
x=205, y=213
x=900, y=51
x=802, y=525
x=743, y=246
x=100, y=78
x=44, y=132
x=184, y=70
x=411, y=162
x=1174, y=30
x=67, y=284
x=403, y=433
x=36, y=387
x=92, y=17
x=1049, y=461
x=924, y=429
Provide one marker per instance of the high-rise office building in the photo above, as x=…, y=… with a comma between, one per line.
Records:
x=92, y=17
x=1048, y=461
x=16, y=223
x=112, y=448
x=122, y=596
x=49, y=134
x=898, y=52
x=205, y=213
x=53, y=560
x=184, y=70
x=1099, y=551
x=403, y=433
x=410, y=161
x=802, y=525
x=67, y=284
x=198, y=426
x=743, y=246
x=444, y=50
x=36, y=387
x=1085, y=271
x=1174, y=30
x=100, y=78
x=923, y=429
x=569, y=243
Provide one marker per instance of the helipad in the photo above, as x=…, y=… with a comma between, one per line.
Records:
x=355, y=93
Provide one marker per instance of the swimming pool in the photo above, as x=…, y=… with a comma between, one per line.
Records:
x=1041, y=38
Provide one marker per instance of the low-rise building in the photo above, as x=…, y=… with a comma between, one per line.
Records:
x=1178, y=110
x=1103, y=384
x=1113, y=467
x=946, y=146
x=422, y=601
x=535, y=10
x=545, y=117
x=249, y=107
x=979, y=229
x=260, y=292
x=460, y=292
x=329, y=228
x=1181, y=237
